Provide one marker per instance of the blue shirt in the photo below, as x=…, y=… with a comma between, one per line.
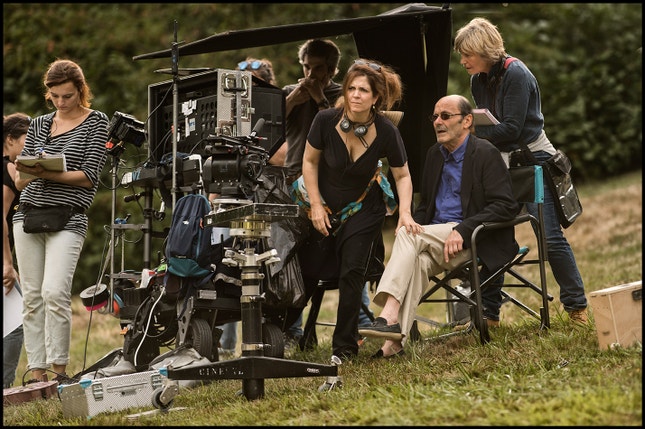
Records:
x=448, y=202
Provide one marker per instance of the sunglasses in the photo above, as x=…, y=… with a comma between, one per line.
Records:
x=253, y=64
x=444, y=116
x=370, y=65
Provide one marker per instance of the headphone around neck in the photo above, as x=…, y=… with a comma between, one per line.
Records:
x=359, y=129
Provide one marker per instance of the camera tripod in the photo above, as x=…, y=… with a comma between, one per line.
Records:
x=251, y=222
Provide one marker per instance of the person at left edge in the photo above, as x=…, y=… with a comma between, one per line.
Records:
x=47, y=261
x=14, y=130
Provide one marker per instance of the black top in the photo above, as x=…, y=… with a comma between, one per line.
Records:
x=298, y=125
x=7, y=180
x=342, y=181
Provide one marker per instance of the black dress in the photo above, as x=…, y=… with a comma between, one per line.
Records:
x=344, y=256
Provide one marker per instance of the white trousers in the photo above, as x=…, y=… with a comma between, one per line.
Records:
x=46, y=263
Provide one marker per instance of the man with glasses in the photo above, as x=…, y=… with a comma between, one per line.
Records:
x=465, y=182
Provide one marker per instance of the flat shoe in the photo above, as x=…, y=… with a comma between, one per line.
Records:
x=380, y=329
x=379, y=354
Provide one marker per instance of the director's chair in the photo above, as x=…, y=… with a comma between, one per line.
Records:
x=527, y=188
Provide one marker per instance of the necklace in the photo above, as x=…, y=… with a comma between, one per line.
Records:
x=359, y=127
x=362, y=139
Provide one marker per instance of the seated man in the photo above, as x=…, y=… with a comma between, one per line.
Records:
x=465, y=182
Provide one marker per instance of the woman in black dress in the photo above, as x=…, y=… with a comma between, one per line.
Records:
x=348, y=195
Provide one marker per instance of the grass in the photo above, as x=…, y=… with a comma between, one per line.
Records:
x=523, y=377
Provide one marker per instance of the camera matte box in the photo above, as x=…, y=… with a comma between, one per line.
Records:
x=618, y=312
x=109, y=394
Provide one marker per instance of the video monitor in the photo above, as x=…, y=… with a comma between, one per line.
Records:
x=208, y=106
x=268, y=102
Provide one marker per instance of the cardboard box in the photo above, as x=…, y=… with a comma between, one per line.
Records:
x=91, y=397
x=618, y=312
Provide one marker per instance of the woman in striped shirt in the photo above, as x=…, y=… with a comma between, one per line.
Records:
x=47, y=260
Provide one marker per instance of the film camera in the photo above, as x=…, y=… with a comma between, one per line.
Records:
x=234, y=164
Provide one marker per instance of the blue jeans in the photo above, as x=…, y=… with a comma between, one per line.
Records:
x=228, y=340
x=563, y=263
x=363, y=319
x=11, y=348
x=559, y=253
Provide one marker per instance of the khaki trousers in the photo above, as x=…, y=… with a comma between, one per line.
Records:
x=414, y=258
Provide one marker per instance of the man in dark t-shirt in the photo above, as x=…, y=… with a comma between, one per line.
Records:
x=315, y=91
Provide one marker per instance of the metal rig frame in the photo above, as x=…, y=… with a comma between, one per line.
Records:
x=252, y=222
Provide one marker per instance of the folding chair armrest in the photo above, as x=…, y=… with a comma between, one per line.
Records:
x=521, y=218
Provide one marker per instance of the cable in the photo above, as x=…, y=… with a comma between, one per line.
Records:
x=145, y=333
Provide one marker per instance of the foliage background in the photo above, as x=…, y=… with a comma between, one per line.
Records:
x=587, y=58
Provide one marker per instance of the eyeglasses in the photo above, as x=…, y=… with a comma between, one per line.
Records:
x=253, y=64
x=370, y=65
x=444, y=116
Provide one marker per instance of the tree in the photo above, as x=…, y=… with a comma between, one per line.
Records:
x=587, y=58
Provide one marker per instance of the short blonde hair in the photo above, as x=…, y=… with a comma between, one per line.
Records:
x=480, y=37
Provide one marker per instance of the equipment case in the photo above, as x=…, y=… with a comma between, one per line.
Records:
x=91, y=397
x=618, y=313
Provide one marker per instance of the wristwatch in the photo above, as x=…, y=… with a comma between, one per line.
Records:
x=324, y=103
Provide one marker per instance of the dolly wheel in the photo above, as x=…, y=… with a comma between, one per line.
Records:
x=200, y=337
x=272, y=336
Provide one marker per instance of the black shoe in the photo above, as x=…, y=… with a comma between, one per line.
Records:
x=379, y=354
x=379, y=328
x=346, y=355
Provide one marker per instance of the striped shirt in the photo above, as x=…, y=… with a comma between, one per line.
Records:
x=84, y=149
